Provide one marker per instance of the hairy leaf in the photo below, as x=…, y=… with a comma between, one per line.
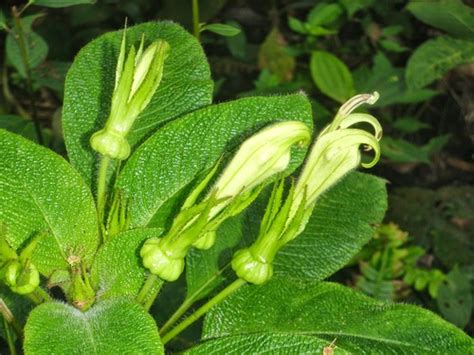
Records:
x=110, y=327
x=41, y=192
x=185, y=86
x=173, y=157
x=330, y=312
x=434, y=58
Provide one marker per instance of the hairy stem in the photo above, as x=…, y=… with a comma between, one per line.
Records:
x=196, y=29
x=202, y=310
x=20, y=38
x=188, y=302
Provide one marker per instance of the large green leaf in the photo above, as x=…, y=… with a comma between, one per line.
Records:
x=331, y=76
x=186, y=85
x=110, y=327
x=328, y=312
x=173, y=157
x=117, y=269
x=434, y=58
x=41, y=192
x=451, y=16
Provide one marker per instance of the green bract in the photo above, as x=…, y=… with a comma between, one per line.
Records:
x=136, y=79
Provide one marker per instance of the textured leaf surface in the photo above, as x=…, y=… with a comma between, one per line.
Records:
x=111, y=327
x=331, y=76
x=173, y=157
x=41, y=192
x=451, y=16
x=327, y=311
x=434, y=58
x=185, y=86
x=117, y=269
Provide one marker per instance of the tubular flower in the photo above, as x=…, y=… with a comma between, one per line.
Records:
x=335, y=153
x=136, y=80
x=263, y=155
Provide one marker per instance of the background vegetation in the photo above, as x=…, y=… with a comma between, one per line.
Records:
x=419, y=55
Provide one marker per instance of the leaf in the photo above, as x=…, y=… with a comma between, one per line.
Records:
x=272, y=55
x=331, y=76
x=221, y=29
x=186, y=85
x=402, y=151
x=41, y=192
x=323, y=14
x=352, y=6
x=392, y=46
x=110, y=327
x=23, y=127
x=204, y=267
x=409, y=125
x=296, y=25
x=451, y=16
x=61, y=3
x=435, y=57
x=389, y=81
x=117, y=270
x=35, y=46
x=237, y=44
x=174, y=156
x=328, y=312
x=455, y=298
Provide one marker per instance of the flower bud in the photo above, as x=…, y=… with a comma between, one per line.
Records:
x=206, y=241
x=252, y=268
x=161, y=261
x=261, y=156
x=21, y=279
x=136, y=80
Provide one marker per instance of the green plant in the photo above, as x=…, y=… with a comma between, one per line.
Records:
x=157, y=194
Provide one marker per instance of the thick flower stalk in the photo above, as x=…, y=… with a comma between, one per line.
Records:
x=137, y=78
x=335, y=153
x=263, y=155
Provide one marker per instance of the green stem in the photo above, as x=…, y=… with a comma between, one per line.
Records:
x=188, y=302
x=196, y=28
x=10, y=340
x=149, y=291
x=101, y=190
x=24, y=57
x=202, y=310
